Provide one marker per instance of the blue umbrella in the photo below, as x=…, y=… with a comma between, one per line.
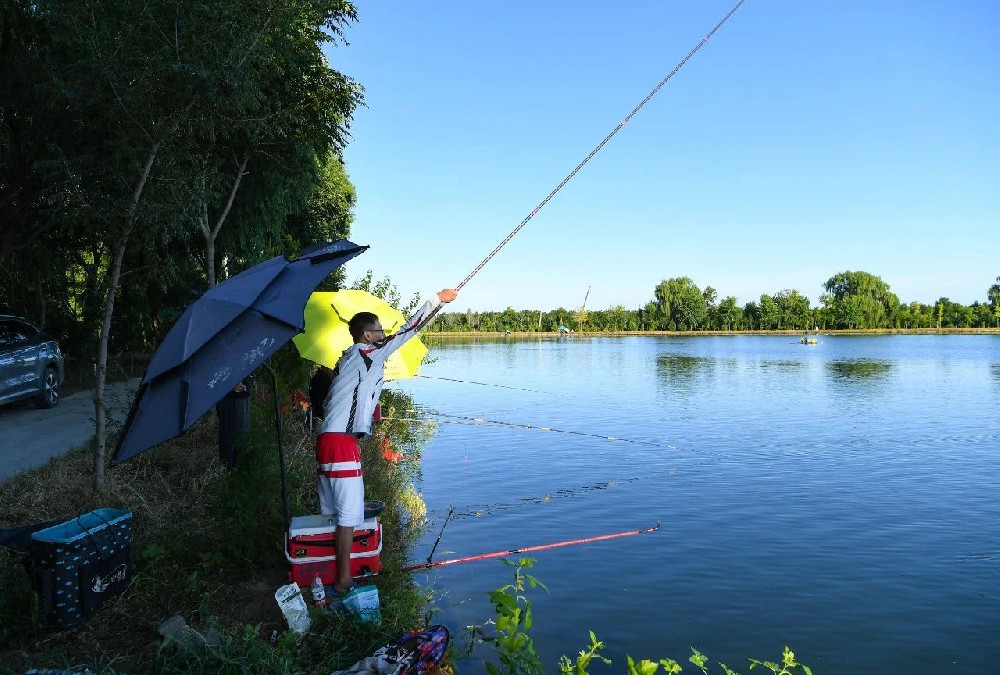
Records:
x=220, y=339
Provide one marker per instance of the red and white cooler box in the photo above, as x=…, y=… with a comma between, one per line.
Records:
x=309, y=548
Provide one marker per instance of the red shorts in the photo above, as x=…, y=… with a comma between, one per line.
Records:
x=339, y=479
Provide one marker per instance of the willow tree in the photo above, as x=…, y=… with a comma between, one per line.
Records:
x=681, y=303
x=859, y=300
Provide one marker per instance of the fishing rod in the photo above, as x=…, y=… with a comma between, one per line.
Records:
x=440, y=534
x=600, y=145
x=529, y=549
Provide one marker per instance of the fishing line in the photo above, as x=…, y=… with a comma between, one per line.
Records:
x=600, y=145
x=480, y=510
x=477, y=421
x=487, y=384
x=515, y=425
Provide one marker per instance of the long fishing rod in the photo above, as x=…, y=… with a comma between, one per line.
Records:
x=529, y=549
x=600, y=145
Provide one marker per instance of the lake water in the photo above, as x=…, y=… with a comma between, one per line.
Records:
x=842, y=498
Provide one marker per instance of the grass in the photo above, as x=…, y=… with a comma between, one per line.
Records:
x=208, y=545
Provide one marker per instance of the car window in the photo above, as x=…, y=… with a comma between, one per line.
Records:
x=21, y=332
x=13, y=332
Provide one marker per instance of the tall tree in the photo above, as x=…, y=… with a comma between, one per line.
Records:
x=859, y=300
x=681, y=303
x=730, y=314
x=994, y=297
x=770, y=313
x=794, y=309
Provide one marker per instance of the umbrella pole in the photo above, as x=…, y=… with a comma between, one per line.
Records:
x=281, y=449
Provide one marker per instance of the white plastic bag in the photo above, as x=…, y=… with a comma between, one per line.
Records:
x=293, y=606
x=362, y=601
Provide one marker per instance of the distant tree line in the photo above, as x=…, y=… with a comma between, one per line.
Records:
x=852, y=300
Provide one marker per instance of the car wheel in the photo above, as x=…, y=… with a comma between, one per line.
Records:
x=49, y=397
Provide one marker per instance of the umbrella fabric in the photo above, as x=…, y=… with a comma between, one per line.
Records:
x=220, y=339
x=326, y=335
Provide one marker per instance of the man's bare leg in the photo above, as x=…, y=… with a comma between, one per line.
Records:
x=342, y=549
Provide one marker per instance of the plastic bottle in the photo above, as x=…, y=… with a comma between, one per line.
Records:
x=318, y=592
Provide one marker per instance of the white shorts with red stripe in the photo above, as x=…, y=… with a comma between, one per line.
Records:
x=339, y=480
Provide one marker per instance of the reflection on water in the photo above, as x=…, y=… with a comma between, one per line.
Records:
x=481, y=510
x=682, y=367
x=859, y=369
x=781, y=365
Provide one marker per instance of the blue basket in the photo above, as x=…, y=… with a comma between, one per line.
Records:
x=80, y=565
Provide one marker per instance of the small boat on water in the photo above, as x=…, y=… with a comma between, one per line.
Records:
x=807, y=340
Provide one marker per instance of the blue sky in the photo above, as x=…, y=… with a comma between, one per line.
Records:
x=804, y=139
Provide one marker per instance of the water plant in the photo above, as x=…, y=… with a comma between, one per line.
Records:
x=515, y=649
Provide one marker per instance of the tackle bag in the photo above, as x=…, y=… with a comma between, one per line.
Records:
x=413, y=653
x=78, y=566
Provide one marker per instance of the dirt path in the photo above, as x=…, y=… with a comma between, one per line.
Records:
x=30, y=437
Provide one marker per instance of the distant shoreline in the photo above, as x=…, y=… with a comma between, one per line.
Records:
x=690, y=333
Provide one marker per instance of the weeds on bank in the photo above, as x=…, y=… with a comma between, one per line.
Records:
x=510, y=641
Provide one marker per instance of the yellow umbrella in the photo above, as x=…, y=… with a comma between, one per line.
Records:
x=326, y=335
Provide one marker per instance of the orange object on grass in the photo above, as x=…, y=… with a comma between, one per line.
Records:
x=387, y=451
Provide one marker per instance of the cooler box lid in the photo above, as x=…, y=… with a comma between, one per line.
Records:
x=81, y=526
x=306, y=525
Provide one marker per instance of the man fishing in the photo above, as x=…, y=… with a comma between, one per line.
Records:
x=354, y=392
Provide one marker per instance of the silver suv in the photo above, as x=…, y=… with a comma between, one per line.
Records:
x=31, y=365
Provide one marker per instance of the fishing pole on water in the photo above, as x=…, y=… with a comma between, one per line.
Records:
x=694, y=50
x=440, y=534
x=529, y=549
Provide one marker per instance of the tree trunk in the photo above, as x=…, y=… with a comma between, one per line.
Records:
x=213, y=233
x=100, y=423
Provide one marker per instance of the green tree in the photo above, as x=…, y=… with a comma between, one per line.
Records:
x=618, y=318
x=994, y=297
x=859, y=300
x=729, y=313
x=751, y=314
x=794, y=309
x=953, y=315
x=681, y=303
x=770, y=313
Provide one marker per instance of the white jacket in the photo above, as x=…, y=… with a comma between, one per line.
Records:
x=359, y=375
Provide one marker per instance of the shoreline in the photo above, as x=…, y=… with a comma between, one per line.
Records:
x=689, y=333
